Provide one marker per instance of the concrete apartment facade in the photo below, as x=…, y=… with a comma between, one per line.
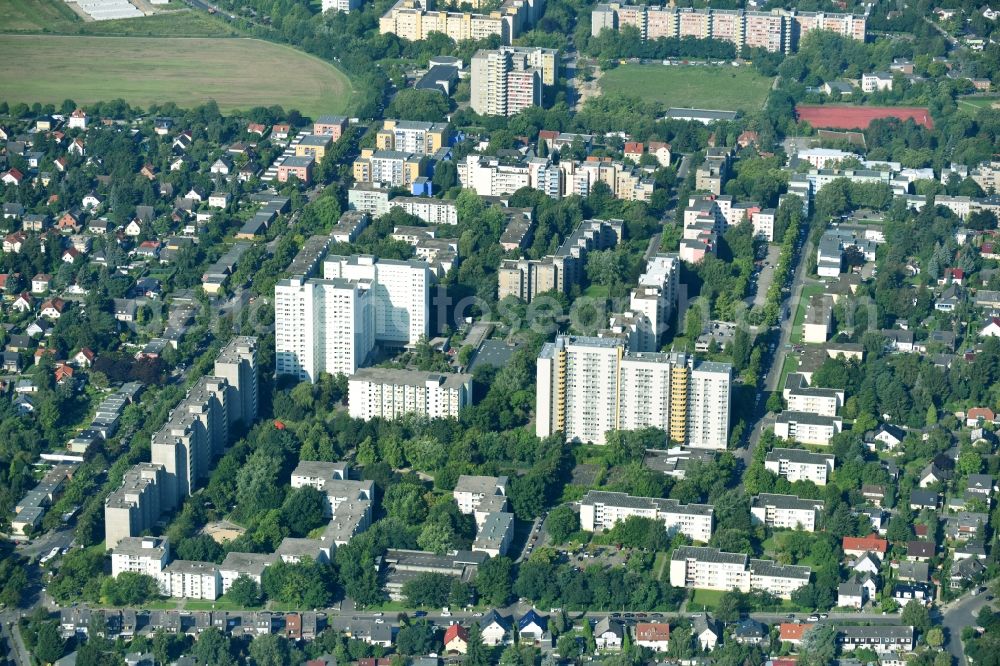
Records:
x=600, y=510
x=392, y=394
x=587, y=386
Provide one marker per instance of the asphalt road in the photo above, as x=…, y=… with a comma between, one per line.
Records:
x=956, y=616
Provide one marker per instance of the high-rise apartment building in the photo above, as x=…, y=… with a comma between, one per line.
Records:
x=526, y=278
x=181, y=452
x=332, y=324
x=392, y=394
x=587, y=386
x=508, y=80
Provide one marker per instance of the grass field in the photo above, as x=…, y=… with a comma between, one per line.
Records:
x=181, y=70
x=55, y=17
x=976, y=104
x=705, y=599
x=699, y=87
x=808, y=292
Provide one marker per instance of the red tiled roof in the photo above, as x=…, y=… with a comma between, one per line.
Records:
x=652, y=631
x=456, y=631
x=870, y=542
x=788, y=631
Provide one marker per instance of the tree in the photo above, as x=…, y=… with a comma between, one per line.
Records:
x=129, y=589
x=270, y=650
x=49, y=645
x=935, y=637
x=915, y=614
x=213, y=647
x=819, y=645
x=495, y=580
x=417, y=637
x=729, y=607
x=428, y=589
x=406, y=502
x=303, y=510
x=562, y=522
x=476, y=653
x=436, y=537
x=244, y=592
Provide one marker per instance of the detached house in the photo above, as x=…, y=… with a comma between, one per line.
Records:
x=53, y=308
x=12, y=177
x=653, y=635
x=609, y=633
x=456, y=639
x=857, y=546
x=495, y=628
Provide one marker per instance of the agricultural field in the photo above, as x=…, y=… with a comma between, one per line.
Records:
x=147, y=71
x=55, y=17
x=692, y=86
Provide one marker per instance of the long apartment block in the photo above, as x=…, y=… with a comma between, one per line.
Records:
x=526, y=278
x=182, y=451
x=713, y=569
x=777, y=31
x=415, y=21
x=600, y=510
x=785, y=511
x=587, y=386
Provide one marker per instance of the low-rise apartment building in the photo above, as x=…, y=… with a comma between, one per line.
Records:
x=807, y=428
x=785, y=511
x=800, y=397
x=800, y=465
x=600, y=510
x=392, y=394
x=143, y=555
x=191, y=579
x=712, y=569
x=470, y=490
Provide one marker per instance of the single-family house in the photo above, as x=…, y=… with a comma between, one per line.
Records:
x=924, y=499
x=495, y=628
x=851, y=595
x=609, y=633
x=706, y=632
x=653, y=635
x=53, y=308
x=857, y=546
x=749, y=631
x=456, y=639
x=533, y=628
x=920, y=551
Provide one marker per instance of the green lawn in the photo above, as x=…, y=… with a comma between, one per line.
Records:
x=55, y=17
x=705, y=600
x=974, y=105
x=142, y=71
x=728, y=88
x=790, y=365
x=660, y=565
x=808, y=291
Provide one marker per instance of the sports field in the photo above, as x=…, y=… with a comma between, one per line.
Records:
x=690, y=86
x=236, y=73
